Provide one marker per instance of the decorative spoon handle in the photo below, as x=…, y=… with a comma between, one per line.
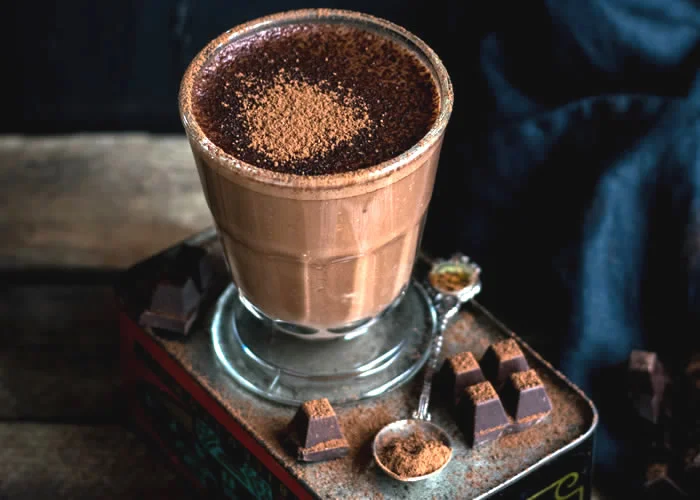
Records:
x=451, y=283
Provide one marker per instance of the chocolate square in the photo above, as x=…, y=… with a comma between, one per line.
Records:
x=173, y=306
x=526, y=399
x=646, y=381
x=691, y=469
x=316, y=433
x=175, y=298
x=480, y=414
x=501, y=359
x=457, y=373
x=659, y=485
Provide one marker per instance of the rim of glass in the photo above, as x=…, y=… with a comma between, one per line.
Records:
x=229, y=163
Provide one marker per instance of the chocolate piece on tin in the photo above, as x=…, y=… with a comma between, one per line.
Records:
x=692, y=382
x=646, y=381
x=659, y=485
x=501, y=359
x=173, y=306
x=457, y=373
x=692, y=369
x=526, y=399
x=316, y=433
x=480, y=414
x=691, y=468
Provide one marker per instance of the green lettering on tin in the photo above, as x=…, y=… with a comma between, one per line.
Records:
x=568, y=483
x=245, y=475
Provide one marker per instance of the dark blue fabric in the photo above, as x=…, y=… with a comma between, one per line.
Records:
x=577, y=186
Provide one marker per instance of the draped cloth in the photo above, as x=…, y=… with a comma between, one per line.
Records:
x=572, y=175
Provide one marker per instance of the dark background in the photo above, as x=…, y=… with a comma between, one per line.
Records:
x=117, y=65
x=570, y=171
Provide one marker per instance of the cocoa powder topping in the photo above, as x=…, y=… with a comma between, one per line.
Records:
x=315, y=99
x=294, y=120
x=414, y=455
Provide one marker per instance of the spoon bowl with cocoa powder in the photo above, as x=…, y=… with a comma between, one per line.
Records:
x=416, y=449
x=412, y=450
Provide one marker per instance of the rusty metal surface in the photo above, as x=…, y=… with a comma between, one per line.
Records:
x=472, y=473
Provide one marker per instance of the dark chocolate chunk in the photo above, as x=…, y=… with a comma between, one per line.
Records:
x=526, y=399
x=480, y=414
x=204, y=268
x=501, y=359
x=316, y=433
x=457, y=372
x=646, y=384
x=692, y=369
x=688, y=470
x=170, y=323
x=175, y=298
x=659, y=485
x=173, y=306
x=692, y=374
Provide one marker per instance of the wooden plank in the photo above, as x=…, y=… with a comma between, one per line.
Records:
x=95, y=200
x=59, y=385
x=64, y=317
x=71, y=461
x=59, y=353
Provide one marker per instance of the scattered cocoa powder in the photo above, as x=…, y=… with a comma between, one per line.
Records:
x=414, y=455
x=362, y=423
x=327, y=445
x=294, y=120
x=525, y=380
x=507, y=349
x=533, y=418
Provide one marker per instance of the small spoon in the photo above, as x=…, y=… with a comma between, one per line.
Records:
x=451, y=283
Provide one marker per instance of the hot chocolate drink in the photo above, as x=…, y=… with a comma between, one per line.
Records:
x=316, y=135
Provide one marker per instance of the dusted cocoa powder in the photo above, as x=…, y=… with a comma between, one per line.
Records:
x=294, y=120
x=414, y=455
x=315, y=99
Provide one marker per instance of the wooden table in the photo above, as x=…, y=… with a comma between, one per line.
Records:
x=74, y=211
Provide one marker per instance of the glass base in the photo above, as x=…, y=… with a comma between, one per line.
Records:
x=288, y=369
